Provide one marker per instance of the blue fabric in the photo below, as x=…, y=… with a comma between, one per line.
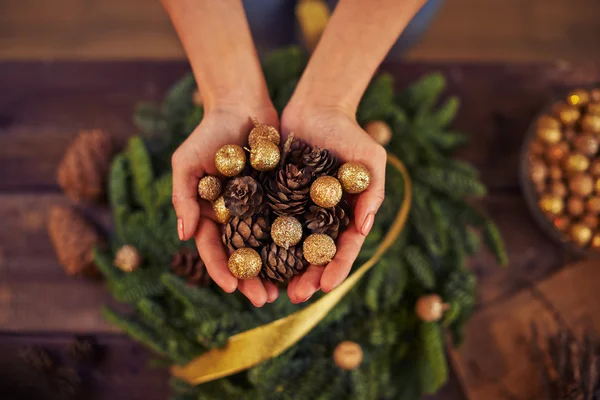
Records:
x=273, y=24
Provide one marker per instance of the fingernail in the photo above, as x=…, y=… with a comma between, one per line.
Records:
x=180, y=228
x=367, y=225
x=307, y=298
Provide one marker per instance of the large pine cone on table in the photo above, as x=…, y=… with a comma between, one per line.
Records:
x=187, y=264
x=243, y=196
x=329, y=221
x=289, y=192
x=239, y=232
x=83, y=171
x=280, y=264
x=321, y=161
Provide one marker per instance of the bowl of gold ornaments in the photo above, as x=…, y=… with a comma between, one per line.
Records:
x=560, y=169
x=282, y=205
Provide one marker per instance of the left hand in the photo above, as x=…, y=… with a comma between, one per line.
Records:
x=336, y=129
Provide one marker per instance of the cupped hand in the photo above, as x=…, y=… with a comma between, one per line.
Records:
x=194, y=159
x=336, y=129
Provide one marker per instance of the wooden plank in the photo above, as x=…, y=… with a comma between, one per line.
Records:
x=496, y=360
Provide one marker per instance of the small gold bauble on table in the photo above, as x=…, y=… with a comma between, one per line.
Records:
x=551, y=204
x=430, y=308
x=577, y=162
x=591, y=123
x=245, y=263
x=230, y=160
x=578, y=97
x=209, y=188
x=559, y=189
x=539, y=171
x=586, y=144
x=222, y=214
x=264, y=155
x=354, y=177
x=575, y=206
x=326, y=191
x=128, y=258
x=581, y=185
x=580, y=234
x=380, y=132
x=263, y=132
x=286, y=231
x=548, y=121
x=348, y=355
x=319, y=249
x=567, y=113
x=549, y=135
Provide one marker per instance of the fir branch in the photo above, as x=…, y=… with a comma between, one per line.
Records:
x=149, y=119
x=451, y=183
x=283, y=66
x=141, y=168
x=137, y=331
x=162, y=188
x=493, y=240
x=422, y=94
x=431, y=362
x=118, y=190
x=104, y=263
x=136, y=285
x=420, y=267
x=377, y=101
x=446, y=113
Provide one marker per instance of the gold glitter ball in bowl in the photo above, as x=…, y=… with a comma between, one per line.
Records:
x=575, y=206
x=548, y=121
x=245, y=263
x=594, y=108
x=558, y=189
x=264, y=156
x=326, y=191
x=556, y=173
x=552, y=205
x=557, y=151
x=286, y=231
x=577, y=162
x=578, y=97
x=379, y=131
x=348, y=355
x=354, y=177
x=209, y=188
x=581, y=185
x=263, y=132
x=591, y=221
x=567, y=114
x=595, y=244
x=538, y=171
x=222, y=214
x=580, y=234
x=230, y=160
x=593, y=204
x=591, y=123
x=549, y=135
x=586, y=144
x=319, y=249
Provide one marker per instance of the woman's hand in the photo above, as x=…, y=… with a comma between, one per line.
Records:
x=335, y=129
x=194, y=159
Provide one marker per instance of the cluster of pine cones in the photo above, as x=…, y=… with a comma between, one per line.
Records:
x=254, y=199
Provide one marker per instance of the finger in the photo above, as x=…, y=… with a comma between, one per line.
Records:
x=272, y=291
x=186, y=174
x=254, y=290
x=370, y=200
x=207, y=211
x=208, y=241
x=349, y=244
x=309, y=283
x=291, y=290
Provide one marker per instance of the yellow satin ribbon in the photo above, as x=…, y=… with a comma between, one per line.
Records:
x=252, y=347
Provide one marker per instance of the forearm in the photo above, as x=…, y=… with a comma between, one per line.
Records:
x=359, y=35
x=218, y=42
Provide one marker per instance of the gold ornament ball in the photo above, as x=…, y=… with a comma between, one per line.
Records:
x=245, y=263
x=580, y=234
x=379, y=131
x=593, y=204
x=558, y=188
x=556, y=173
x=591, y=123
x=575, y=206
x=578, y=98
x=591, y=221
x=549, y=135
x=551, y=204
x=264, y=156
x=222, y=214
x=595, y=244
x=595, y=168
x=326, y=191
x=581, y=185
x=348, y=355
x=319, y=249
x=567, y=114
x=354, y=177
x=128, y=258
x=263, y=132
x=537, y=148
x=286, y=231
x=594, y=108
x=209, y=188
x=557, y=151
x=538, y=171
x=586, y=144
x=548, y=121
x=430, y=308
x=561, y=223
x=230, y=160
x=577, y=162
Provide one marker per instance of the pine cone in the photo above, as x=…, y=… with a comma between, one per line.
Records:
x=243, y=196
x=289, y=193
x=329, y=221
x=280, y=264
x=246, y=232
x=321, y=161
x=83, y=171
x=83, y=348
x=74, y=239
x=297, y=151
x=38, y=359
x=187, y=264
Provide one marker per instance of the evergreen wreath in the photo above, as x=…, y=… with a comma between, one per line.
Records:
x=404, y=356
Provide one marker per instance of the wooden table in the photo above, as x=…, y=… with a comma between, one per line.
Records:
x=44, y=105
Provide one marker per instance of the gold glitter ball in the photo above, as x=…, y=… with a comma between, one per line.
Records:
x=245, y=263
x=222, y=214
x=263, y=132
x=319, y=249
x=286, y=231
x=128, y=258
x=549, y=135
x=209, y=188
x=264, y=156
x=578, y=98
x=581, y=185
x=580, y=234
x=577, y=162
x=594, y=108
x=556, y=173
x=379, y=131
x=591, y=221
x=557, y=151
x=552, y=205
x=566, y=113
x=430, y=308
x=230, y=160
x=586, y=144
x=558, y=189
x=326, y=191
x=595, y=168
x=593, y=204
x=354, y=177
x=575, y=206
x=548, y=121
x=591, y=123
x=595, y=244
x=538, y=171
x=348, y=355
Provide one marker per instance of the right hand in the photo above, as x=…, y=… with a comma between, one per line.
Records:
x=194, y=159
